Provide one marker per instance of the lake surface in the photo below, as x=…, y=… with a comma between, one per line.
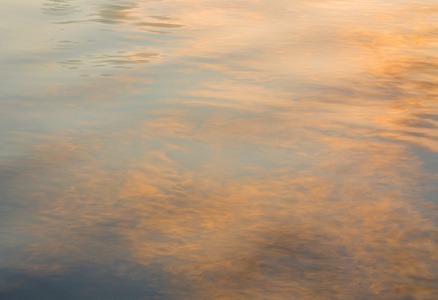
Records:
x=218, y=149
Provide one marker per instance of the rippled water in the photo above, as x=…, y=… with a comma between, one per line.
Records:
x=218, y=149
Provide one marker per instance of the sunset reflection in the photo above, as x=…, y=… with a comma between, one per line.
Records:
x=182, y=149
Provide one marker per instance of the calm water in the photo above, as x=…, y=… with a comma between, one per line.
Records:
x=218, y=149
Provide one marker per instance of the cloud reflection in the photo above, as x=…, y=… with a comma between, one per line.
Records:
x=280, y=160
x=313, y=228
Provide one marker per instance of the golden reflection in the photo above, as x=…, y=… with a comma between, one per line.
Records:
x=273, y=151
x=348, y=222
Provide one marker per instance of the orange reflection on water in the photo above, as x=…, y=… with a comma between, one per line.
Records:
x=273, y=151
x=342, y=219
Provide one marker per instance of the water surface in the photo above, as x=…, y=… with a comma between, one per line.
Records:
x=218, y=149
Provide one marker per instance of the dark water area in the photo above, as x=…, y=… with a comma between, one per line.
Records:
x=218, y=149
